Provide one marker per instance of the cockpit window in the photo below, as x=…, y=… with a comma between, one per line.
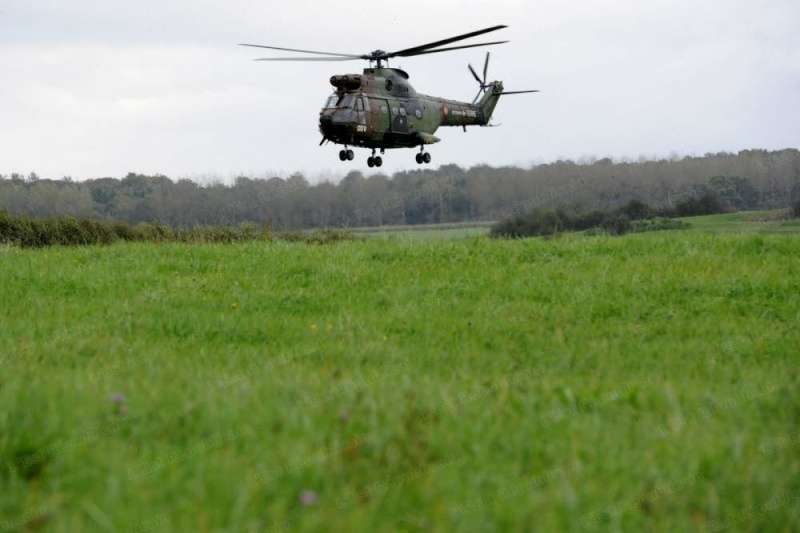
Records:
x=348, y=101
x=359, y=105
x=332, y=101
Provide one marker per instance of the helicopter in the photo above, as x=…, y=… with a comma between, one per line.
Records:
x=379, y=109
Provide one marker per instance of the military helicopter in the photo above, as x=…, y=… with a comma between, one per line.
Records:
x=379, y=109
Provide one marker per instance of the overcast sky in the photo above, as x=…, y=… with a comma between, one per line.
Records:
x=92, y=88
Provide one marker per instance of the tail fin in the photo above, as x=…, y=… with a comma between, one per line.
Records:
x=489, y=100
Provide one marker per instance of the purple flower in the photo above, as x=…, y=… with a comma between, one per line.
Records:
x=308, y=498
x=117, y=397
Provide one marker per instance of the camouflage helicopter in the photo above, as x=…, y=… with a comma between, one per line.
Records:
x=379, y=108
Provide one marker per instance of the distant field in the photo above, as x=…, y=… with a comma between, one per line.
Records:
x=639, y=383
x=426, y=231
x=776, y=221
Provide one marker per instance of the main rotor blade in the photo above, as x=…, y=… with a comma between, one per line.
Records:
x=485, y=67
x=306, y=59
x=478, y=95
x=449, y=48
x=475, y=74
x=352, y=56
x=416, y=50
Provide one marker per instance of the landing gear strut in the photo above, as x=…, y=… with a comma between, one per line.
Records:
x=374, y=160
x=423, y=156
x=346, y=155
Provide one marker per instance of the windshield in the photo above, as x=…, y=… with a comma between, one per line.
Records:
x=332, y=101
x=348, y=101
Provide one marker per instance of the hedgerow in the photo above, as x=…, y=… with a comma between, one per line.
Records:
x=27, y=232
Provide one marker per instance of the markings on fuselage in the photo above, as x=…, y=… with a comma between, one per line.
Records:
x=465, y=113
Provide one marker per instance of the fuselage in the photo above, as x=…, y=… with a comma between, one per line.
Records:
x=380, y=109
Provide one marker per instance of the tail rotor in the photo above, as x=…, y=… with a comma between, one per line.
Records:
x=484, y=85
x=481, y=82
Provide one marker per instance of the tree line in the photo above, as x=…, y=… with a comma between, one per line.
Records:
x=750, y=179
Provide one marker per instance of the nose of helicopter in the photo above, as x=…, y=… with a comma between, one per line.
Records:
x=326, y=124
x=329, y=125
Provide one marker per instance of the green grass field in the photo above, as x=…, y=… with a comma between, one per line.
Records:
x=639, y=383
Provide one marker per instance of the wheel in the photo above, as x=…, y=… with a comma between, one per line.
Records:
x=350, y=155
x=426, y=157
x=419, y=159
x=378, y=160
x=370, y=162
x=342, y=155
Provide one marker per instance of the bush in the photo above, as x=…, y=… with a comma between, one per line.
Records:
x=537, y=223
x=249, y=231
x=658, y=224
x=329, y=235
x=508, y=227
x=318, y=236
x=151, y=232
x=547, y=222
x=94, y=232
x=635, y=216
x=71, y=232
x=706, y=204
x=124, y=232
x=616, y=225
x=592, y=219
x=292, y=236
x=636, y=210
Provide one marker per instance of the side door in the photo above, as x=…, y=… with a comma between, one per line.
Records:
x=379, y=117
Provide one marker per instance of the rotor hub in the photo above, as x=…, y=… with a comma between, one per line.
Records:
x=380, y=56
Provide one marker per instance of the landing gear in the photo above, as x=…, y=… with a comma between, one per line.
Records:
x=346, y=155
x=423, y=157
x=374, y=160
